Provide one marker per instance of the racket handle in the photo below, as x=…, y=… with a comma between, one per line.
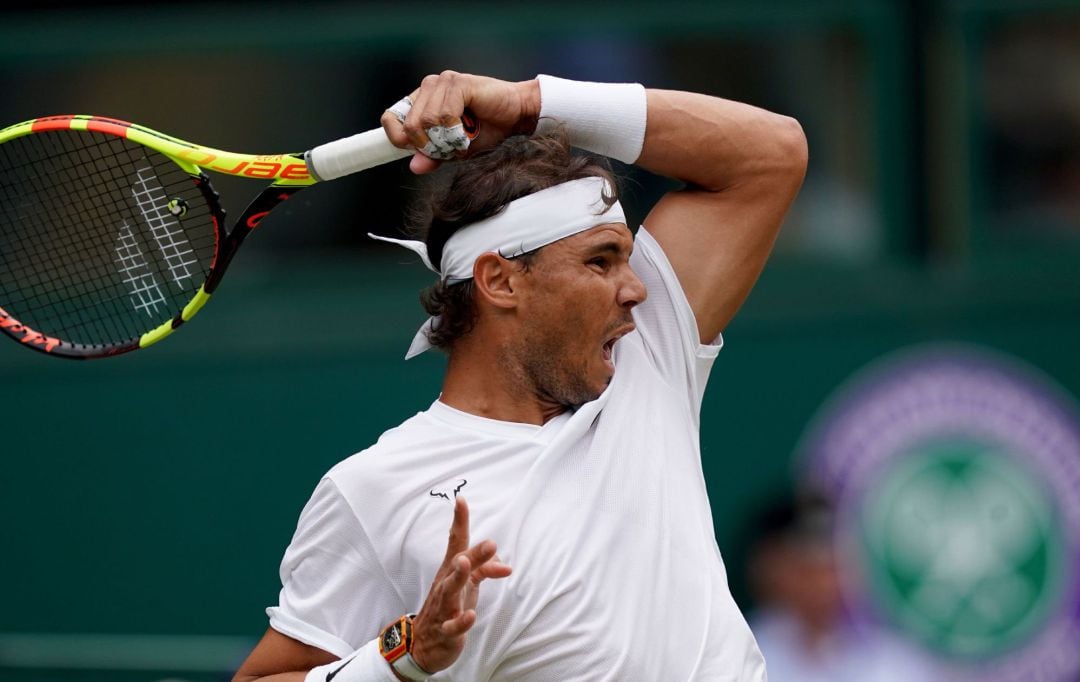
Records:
x=352, y=154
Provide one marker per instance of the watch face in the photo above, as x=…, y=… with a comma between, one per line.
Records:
x=392, y=637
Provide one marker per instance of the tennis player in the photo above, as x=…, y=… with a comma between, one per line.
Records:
x=579, y=351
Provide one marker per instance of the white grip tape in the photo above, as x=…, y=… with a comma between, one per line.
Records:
x=352, y=154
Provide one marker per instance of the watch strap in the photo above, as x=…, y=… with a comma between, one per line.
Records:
x=407, y=667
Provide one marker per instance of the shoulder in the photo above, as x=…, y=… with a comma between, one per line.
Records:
x=666, y=297
x=394, y=451
x=405, y=461
x=667, y=330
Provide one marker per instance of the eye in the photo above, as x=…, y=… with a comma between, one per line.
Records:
x=600, y=263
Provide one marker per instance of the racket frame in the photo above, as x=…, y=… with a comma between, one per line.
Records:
x=286, y=173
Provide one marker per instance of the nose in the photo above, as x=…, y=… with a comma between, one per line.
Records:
x=631, y=289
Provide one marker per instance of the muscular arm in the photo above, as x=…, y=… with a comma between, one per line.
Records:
x=743, y=167
x=275, y=653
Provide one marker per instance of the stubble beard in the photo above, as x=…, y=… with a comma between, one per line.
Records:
x=552, y=373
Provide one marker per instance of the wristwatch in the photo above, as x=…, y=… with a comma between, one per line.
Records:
x=395, y=645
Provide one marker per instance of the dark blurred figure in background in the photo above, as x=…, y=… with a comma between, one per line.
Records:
x=799, y=618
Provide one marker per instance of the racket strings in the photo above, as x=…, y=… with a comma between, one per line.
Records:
x=70, y=306
x=101, y=239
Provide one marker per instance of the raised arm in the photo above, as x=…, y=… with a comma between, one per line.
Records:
x=742, y=165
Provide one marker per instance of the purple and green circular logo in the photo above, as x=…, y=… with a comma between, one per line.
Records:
x=956, y=475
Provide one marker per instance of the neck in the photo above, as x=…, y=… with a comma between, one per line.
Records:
x=489, y=384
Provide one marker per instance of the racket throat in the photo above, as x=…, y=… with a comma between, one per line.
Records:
x=248, y=222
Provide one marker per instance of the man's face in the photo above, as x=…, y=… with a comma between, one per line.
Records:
x=575, y=303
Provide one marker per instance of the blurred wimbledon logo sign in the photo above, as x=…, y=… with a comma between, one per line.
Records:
x=963, y=547
x=956, y=473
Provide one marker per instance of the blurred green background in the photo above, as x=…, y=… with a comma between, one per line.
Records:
x=147, y=499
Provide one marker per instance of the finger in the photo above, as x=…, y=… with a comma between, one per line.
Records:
x=453, y=585
x=459, y=625
x=492, y=569
x=459, y=527
x=446, y=101
x=434, y=124
x=421, y=164
x=444, y=122
x=481, y=552
x=447, y=593
x=439, y=105
x=395, y=131
x=393, y=120
x=419, y=119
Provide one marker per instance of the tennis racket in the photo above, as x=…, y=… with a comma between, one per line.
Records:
x=111, y=235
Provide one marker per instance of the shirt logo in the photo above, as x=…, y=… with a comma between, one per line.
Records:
x=446, y=495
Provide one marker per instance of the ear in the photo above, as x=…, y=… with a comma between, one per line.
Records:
x=494, y=280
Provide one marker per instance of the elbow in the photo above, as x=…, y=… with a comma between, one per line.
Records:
x=775, y=155
x=792, y=152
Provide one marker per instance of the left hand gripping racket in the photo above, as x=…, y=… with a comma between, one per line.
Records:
x=111, y=235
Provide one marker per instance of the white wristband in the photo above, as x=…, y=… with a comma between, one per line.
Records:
x=604, y=118
x=365, y=664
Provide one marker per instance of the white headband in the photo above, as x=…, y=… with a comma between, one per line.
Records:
x=523, y=225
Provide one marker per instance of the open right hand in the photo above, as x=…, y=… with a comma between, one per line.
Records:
x=449, y=611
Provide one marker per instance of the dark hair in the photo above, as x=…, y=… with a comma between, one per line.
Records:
x=480, y=187
x=799, y=516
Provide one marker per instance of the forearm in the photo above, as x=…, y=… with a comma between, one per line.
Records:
x=280, y=658
x=710, y=143
x=279, y=677
x=717, y=144
x=363, y=665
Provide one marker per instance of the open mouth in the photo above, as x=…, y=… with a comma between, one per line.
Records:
x=609, y=345
x=607, y=348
